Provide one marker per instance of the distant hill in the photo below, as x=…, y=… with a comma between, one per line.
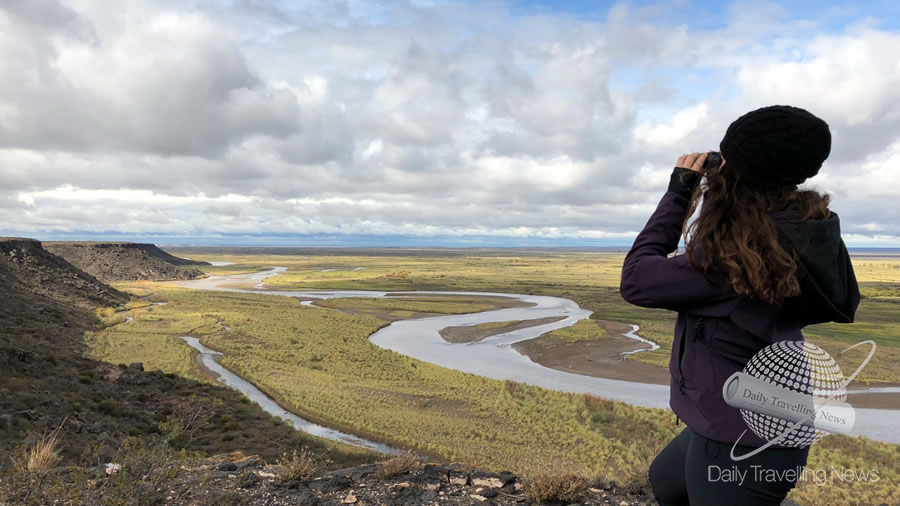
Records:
x=121, y=261
x=28, y=270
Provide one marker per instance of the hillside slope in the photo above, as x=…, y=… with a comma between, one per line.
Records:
x=46, y=382
x=30, y=270
x=120, y=261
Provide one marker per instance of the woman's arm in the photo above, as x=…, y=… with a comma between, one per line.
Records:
x=649, y=277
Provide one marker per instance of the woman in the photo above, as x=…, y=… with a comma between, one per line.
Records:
x=762, y=260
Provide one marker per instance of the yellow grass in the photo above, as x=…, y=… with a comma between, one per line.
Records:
x=43, y=454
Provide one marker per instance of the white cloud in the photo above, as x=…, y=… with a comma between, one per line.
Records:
x=407, y=118
x=670, y=134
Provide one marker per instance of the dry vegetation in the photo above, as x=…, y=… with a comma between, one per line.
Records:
x=302, y=465
x=550, y=484
x=43, y=455
x=395, y=466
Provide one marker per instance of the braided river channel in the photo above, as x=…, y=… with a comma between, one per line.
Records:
x=492, y=357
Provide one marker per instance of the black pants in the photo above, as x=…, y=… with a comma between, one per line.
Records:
x=698, y=471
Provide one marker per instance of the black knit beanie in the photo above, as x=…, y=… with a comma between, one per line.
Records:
x=777, y=146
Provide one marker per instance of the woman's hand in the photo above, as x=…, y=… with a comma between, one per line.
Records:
x=692, y=161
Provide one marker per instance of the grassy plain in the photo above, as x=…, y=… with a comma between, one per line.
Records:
x=321, y=365
x=589, y=278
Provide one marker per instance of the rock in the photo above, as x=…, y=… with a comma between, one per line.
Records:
x=489, y=493
x=75, y=426
x=247, y=463
x=507, y=477
x=331, y=484
x=484, y=480
x=411, y=495
x=355, y=473
x=247, y=479
x=433, y=470
x=30, y=414
x=306, y=498
x=65, y=473
x=456, y=475
x=227, y=466
x=478, y=498
x=271, y=471
x=134, y=375
x=350, y=499
x=106, y=454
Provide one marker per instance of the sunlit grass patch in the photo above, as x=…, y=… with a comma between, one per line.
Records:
x=583, y=330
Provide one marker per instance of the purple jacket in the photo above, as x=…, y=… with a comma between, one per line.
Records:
x=717, y=331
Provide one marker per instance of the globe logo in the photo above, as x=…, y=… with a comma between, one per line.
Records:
x=801, y=368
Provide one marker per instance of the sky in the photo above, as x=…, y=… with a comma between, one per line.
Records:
x=420, y=122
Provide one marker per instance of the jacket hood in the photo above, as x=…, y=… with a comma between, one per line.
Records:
x=829, y=291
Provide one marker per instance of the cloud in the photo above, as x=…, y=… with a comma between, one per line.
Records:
x=161, y=82
x=439, y=119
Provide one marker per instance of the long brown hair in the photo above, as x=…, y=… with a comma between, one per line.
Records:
x=734, y=237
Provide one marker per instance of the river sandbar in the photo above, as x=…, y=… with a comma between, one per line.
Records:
x=476, y=333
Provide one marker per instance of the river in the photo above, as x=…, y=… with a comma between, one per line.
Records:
x=210, y=359
x=494, y=357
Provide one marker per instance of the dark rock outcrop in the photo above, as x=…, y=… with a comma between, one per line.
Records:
x=122, y=261
x=28, y=266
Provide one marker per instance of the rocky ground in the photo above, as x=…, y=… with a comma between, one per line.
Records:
x=28, y=272
x=120, y=261
x=235, y=479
